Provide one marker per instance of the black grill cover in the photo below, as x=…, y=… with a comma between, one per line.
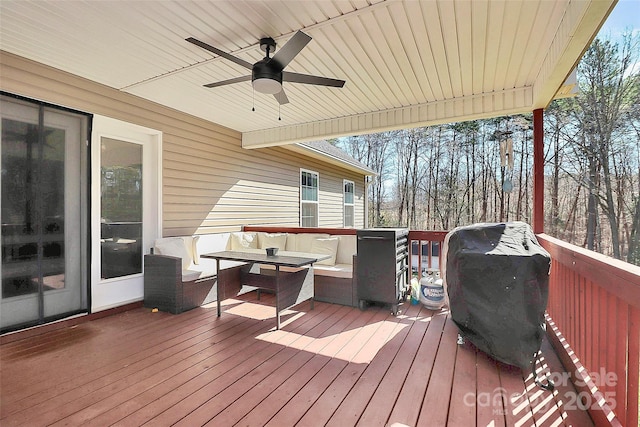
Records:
x=497, y=278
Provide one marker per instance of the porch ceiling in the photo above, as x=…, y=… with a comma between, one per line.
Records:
x=406, y=63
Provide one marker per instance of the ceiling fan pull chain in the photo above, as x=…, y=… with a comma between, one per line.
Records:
x=279, y=116
x=253, y=100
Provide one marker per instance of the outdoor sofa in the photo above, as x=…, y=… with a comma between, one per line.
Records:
x=177, y=278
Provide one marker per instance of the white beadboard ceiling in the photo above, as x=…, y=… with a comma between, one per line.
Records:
x=406, y=63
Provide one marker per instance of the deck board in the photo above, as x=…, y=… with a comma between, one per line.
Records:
x=408, y=404
x=435, y=405
x=333, y=365
x=381, y=404
x=324, y=407
x=489, y=404
x=115, y=405
x=464, y=380
x=341, y=344
x=352, y=407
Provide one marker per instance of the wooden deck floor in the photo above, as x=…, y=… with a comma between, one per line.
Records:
x=334, y=366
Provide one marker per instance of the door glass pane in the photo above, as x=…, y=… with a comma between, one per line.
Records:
x=20, y=154
x=52, y=188
x=121, y=208
x=33, y=208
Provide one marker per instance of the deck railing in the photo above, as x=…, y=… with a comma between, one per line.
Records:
x=594, y=310
x=426, y=247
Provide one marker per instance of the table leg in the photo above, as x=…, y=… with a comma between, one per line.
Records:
x=218, y=284
x=277, y=297
x=312, y=285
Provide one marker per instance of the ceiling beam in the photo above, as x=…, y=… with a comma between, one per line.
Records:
x=487, y=105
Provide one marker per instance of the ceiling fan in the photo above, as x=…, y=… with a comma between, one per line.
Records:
x=268, y=74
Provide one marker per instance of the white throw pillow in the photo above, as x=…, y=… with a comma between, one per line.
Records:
x=327, y=246
x=194, y=250
x=174, y=246
x=292, y=242
x=242, y=240
x=213, y=242
x=305, y=240
x=273, y=240
x=347, y=247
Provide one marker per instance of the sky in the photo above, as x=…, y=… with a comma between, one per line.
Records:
x=625, y=15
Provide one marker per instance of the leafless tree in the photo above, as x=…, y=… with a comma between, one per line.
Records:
x=447, y=175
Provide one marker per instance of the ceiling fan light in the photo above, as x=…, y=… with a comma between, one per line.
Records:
x=268, y=86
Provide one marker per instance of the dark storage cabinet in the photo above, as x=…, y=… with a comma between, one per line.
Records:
x=382, y=270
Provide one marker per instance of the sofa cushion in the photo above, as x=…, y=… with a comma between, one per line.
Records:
x=177, y=247
x=195, y=257
x=272, y=240
x=206, y=268
x=189, y=275
x=243, y=240
x=292, y=242
x=347, y=248
x=305, y=240
x=207, y=243
x=343, y=271
x=325, y=246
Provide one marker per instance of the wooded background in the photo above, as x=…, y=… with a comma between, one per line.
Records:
x=440, y=177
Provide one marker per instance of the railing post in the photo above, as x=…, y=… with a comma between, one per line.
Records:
x=538, y=171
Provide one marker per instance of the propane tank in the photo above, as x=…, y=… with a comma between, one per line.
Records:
x=425, y=282
x=432, y=291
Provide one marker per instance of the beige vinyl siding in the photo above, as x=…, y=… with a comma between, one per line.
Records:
x=210, y=183
x=331, y=192
x=359, y=203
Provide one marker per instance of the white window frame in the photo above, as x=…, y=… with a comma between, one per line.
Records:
x=345, y=204
x=316, y=202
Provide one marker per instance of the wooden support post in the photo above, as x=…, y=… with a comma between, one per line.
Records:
x=538, y=171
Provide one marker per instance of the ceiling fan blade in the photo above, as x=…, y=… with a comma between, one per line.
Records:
x=230, y=81
x=311, y=80
x=220, y=52
x=290, y=49
x=281, y=97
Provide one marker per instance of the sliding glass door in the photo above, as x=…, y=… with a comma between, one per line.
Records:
x=44, y=213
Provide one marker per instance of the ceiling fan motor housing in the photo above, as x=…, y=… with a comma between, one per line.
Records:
x=265, y=78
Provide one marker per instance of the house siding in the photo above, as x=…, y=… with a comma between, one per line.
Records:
x=210, y=183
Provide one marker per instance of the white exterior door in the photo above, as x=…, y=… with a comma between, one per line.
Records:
x=126, y=209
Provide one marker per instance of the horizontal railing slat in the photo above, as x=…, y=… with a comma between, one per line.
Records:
x=620, y=278
x=268, y=229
